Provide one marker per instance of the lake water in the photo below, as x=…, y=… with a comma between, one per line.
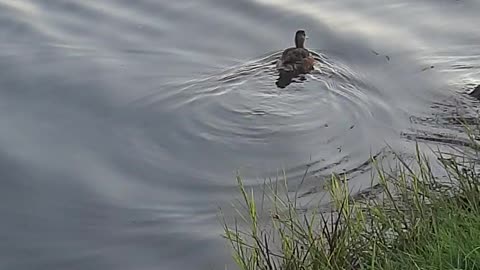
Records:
x=123, y=123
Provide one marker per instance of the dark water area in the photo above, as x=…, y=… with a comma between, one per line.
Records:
x=122, y=123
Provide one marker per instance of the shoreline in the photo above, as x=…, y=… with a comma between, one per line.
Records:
x=418, y=221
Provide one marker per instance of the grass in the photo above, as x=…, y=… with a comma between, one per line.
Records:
x=417, y=221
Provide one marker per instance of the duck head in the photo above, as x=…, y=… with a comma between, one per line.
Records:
x=300, y=37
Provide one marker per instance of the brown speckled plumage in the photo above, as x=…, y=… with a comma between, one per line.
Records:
x=296, y=59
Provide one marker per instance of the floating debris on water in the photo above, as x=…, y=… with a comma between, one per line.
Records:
x=427, y=68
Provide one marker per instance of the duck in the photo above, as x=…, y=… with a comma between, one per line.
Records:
x=296, y=59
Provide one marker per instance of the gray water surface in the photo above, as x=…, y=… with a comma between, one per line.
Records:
x=122, y=123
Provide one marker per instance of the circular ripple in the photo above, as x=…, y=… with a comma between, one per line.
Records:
x=329, y=116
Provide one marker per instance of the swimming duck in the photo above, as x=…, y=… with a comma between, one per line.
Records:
x=296, y=59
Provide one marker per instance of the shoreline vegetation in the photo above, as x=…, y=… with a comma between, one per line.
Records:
x=419, y=220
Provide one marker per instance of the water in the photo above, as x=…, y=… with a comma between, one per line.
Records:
x=122, y=123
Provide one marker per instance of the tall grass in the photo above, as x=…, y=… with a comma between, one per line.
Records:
x=418, y=221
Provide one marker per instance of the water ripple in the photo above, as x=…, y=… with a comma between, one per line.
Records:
x=241, y=109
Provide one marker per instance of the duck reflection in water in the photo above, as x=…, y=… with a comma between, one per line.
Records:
x=294, y=61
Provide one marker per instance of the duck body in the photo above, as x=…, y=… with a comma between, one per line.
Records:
x=296, y=59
